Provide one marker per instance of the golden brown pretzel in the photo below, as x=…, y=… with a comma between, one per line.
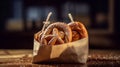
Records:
x=49, y=37
x=52, y=41
x=75, y=36
x=61, y=34
x=80, y=28
x=57, y=33
x=54, y=38
x=60, y=26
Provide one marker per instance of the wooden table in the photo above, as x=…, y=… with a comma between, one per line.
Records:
x=23, y=58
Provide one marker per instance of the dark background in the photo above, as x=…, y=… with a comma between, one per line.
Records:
x=24, y=39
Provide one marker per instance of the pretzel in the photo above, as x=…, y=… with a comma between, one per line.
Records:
x=60, y=31
x=75, y=36
x=58, y=35
x=52, y=39
x=80, y=28
x=56, y=38
x=49, y=37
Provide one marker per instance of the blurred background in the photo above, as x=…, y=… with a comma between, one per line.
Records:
x=20, y=19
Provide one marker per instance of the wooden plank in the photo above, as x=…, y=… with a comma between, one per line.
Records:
x=24, y=57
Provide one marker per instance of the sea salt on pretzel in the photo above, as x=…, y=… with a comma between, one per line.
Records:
x=56, y=36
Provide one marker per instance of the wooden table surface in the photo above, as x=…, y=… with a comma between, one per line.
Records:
x=23, y=58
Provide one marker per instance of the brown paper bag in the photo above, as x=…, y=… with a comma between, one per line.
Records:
x=73, y=52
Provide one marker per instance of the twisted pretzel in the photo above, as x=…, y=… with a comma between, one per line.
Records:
x=78, y=30
x=56, y=38
x=57, y=33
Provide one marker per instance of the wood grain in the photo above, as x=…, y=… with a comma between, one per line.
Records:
x=23, y=58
